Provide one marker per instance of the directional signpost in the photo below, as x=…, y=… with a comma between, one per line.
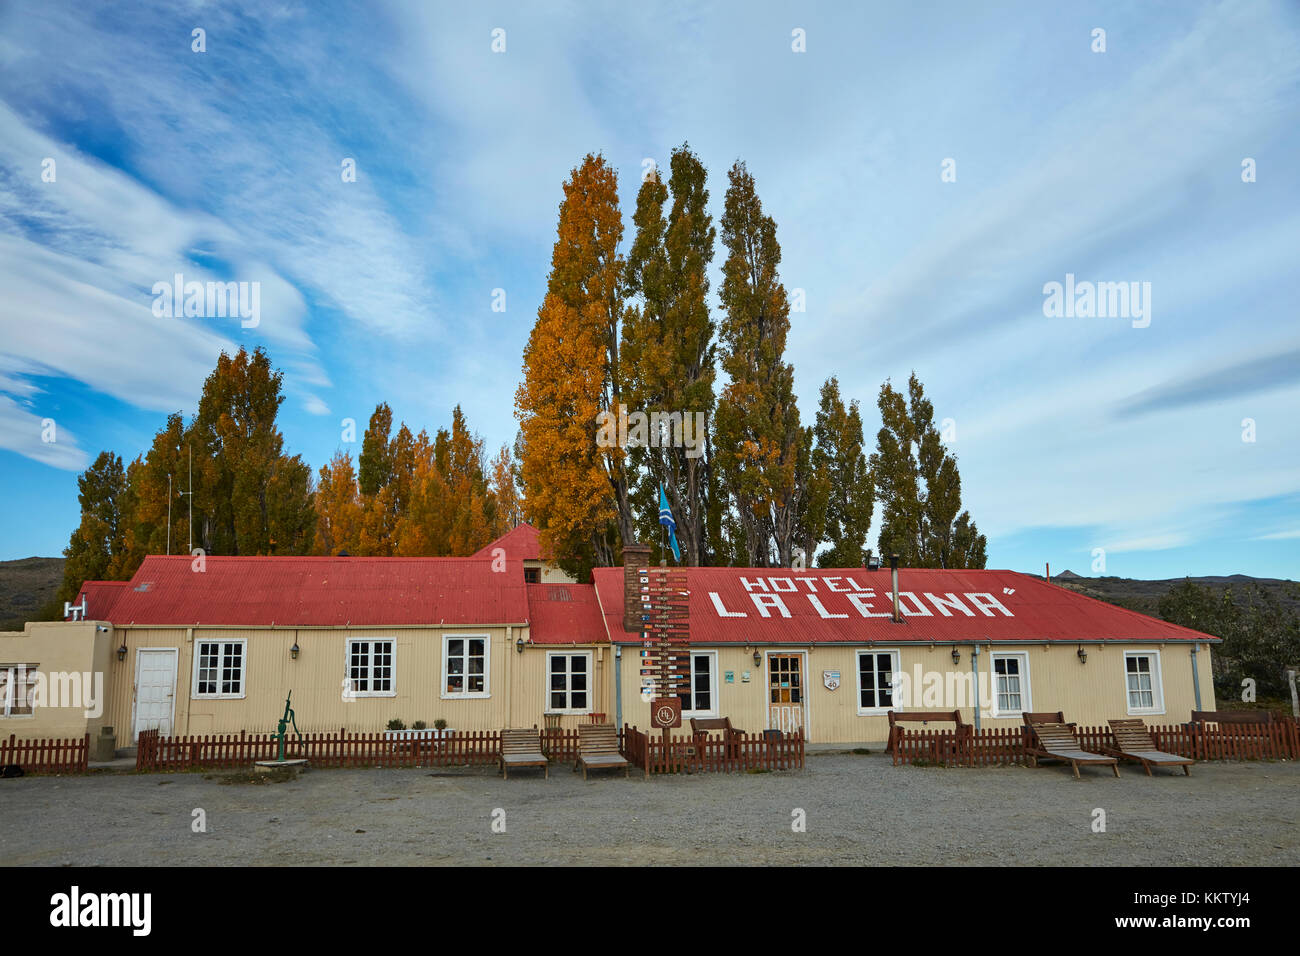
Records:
x=666, y=639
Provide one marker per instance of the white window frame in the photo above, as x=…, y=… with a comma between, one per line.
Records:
x=486, y=692
x=568, y=691
x=352, y=692
x=5, y=700
x=895, y=667
x=243, y=668
x=1026, y=694
x=693, y=653
x=1157, y=685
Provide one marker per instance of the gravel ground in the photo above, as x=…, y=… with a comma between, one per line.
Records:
x=859, y=810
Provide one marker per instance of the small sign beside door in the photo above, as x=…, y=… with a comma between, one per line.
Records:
x=831, y=679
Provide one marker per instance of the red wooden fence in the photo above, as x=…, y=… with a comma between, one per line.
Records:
x=69, y=755
x=230, y=751
x=990, y=746
x=712, y=753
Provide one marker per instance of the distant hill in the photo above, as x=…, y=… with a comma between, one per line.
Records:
x=1144, y=596
x=27, y=586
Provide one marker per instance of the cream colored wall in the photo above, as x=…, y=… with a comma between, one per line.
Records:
x=517, y=682
x=1088, y=693
x=62, y=648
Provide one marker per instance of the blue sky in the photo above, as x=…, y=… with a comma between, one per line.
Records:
x=1072, y=434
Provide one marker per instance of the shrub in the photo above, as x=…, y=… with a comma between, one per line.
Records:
x=396, y=724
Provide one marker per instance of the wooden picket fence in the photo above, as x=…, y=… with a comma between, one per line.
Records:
x=233, y=751
x=1006, y=745
x=711, y=753
x=62, y=755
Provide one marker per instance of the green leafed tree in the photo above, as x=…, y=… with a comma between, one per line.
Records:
x=758, y=439
x=1261, y=635
x=249, y=497
x=919, y=488
x=99, y=540
x=668, y=354
x=839, y=456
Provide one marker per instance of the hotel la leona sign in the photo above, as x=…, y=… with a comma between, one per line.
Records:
x=842, y=597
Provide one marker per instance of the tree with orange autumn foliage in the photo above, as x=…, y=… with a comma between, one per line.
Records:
x=577, y=491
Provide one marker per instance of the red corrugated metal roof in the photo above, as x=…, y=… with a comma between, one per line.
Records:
x=565, y=614
x=520, y=543
x=322, y=591
x=100, y=598
x=824, y=605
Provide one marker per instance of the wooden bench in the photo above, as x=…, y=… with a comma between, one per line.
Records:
x=924, y=717
x=700, y=727
x=522, y=748
x=1055, y=740
x=1133, y=742
x=598, y=749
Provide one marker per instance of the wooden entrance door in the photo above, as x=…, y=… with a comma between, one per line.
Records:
x=786, y=700
x=155, y=690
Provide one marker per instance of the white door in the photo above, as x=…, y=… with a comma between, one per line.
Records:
x=155, y=690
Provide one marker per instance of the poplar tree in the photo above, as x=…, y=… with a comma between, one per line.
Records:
x=577, y=490
x=99, y=538
x=338, y=507
x=758, y=439
x=839, y=456
x=919, y=488
x=669, y=352
x=249, y=497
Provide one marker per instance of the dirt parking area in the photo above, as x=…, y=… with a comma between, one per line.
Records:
x=856, y=810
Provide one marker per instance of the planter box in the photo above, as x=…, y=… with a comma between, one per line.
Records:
x=429, y=733
x=439, y=737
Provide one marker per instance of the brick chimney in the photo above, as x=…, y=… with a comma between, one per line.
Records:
x=635, y=558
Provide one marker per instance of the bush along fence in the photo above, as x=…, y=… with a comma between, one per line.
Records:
x=999, y=746
x=712, y=753
x=71, y=755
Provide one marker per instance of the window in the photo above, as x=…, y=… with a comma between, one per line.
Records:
x=532, y=575
x=701, y=691
x=1010, y=684
x=219, y=669
x=465, y=665
x=17, y=682
x=569, y=686
x=1142, y=681
x=876, y=680
x=370, y=668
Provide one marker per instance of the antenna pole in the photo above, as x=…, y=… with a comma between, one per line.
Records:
x=169, y=514
x=190, y=448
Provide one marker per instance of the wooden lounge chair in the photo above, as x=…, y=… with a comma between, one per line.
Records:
x=1056, y=741
x=1133, y=742
x=598, y=749
x=522, y=748
x=700, y=727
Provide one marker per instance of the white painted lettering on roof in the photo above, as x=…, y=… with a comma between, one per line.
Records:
x=948, y=600
x=816, y=602
x=863, y=603
x=722, y=611
x=919, y=611
x=989, y=602
x=765, y=601
x=756, y=583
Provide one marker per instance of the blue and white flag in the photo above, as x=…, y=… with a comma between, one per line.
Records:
x=666, y=519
